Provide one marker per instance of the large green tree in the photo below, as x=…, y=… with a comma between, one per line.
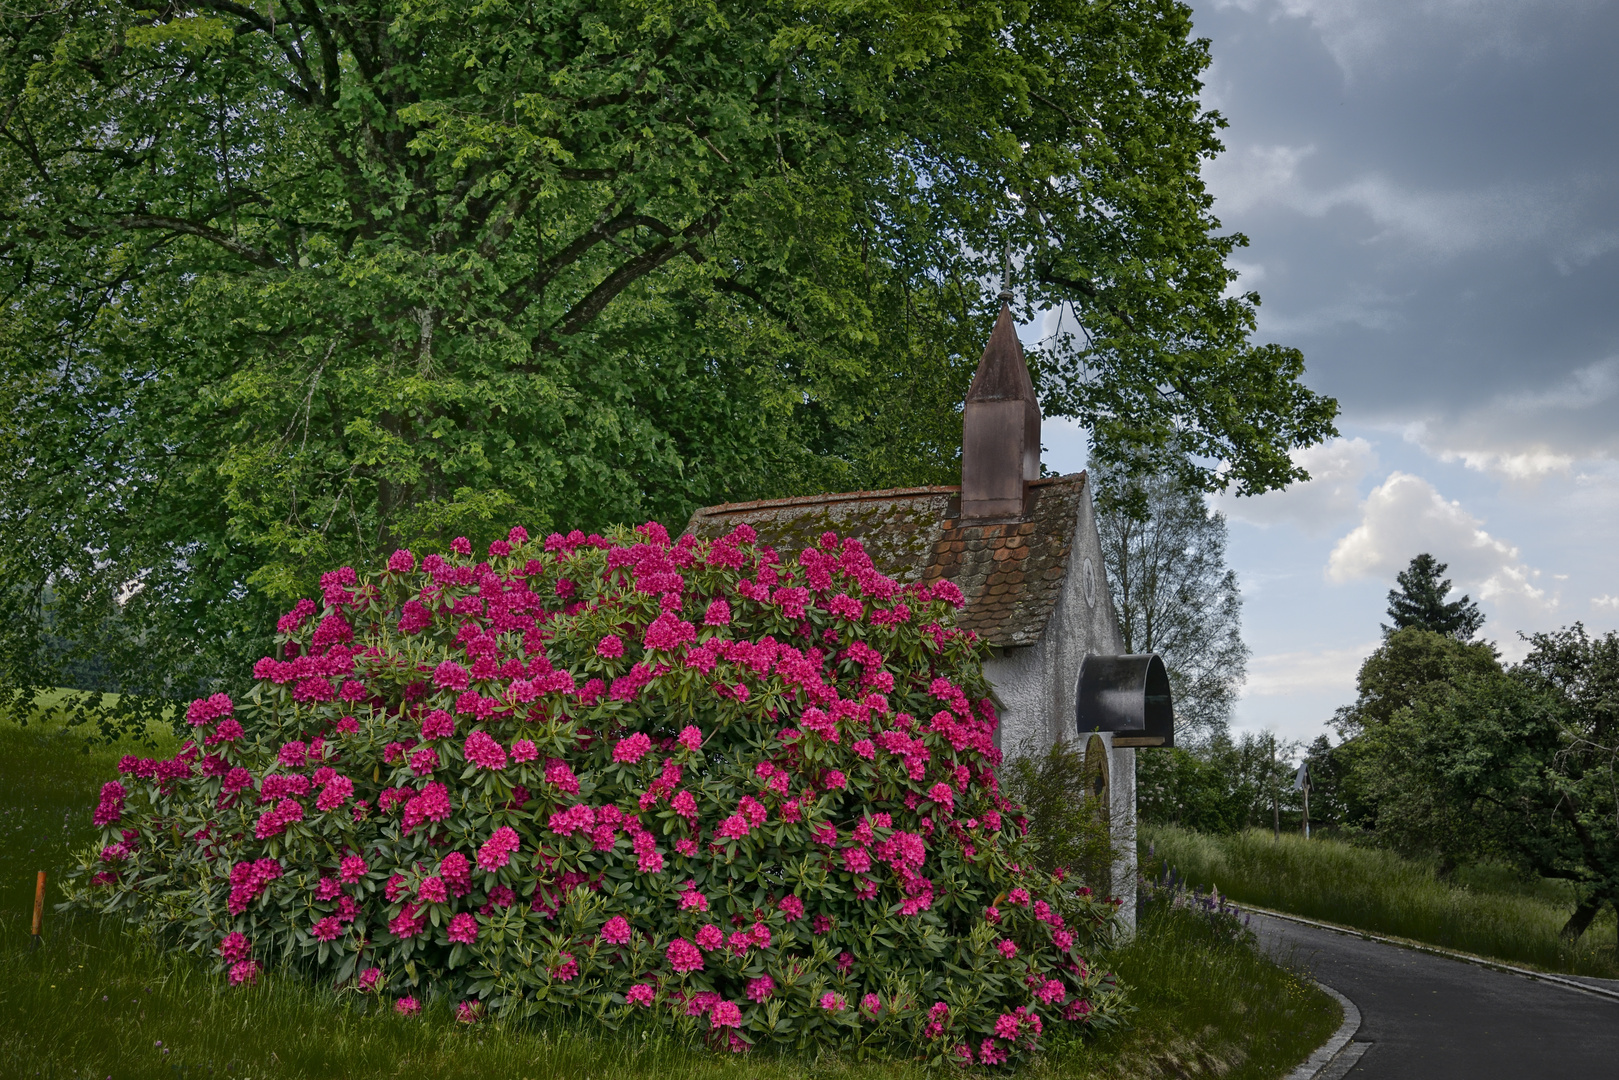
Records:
x=1521, y=764
x=1383, y=768
x=289, y=282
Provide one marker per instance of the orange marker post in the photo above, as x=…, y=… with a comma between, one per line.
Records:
x=39, y=906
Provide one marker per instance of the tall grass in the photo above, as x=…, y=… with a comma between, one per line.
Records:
x=1483, y=910
x=1209, y=1007
x=98, y=1001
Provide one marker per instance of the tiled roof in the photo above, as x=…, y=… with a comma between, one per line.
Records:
x=1011, y=572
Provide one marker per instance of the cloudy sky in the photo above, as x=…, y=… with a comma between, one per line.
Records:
x=1431, y=193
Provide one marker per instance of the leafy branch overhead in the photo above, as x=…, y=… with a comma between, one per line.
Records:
x=287, y=283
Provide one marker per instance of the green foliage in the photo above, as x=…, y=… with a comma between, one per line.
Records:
x=1223, y=787
x=1413, y=667
x=1487, y=909
x=1530, y=757
x=1208, y=1004
x=1419, y=602
x=290, y=285
x=1061, y=793
x=531, y=785
x=1370, y=778
x=1451, y=755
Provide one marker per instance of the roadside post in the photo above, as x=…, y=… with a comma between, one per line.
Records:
x=39, y=909
x=1301, y=782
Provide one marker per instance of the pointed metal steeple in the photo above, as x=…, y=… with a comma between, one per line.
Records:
x=1000, y=446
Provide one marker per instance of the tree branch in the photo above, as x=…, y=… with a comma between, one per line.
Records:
x=254, y=255
x=730, y=285
x=1044, y=274
x=580, y=315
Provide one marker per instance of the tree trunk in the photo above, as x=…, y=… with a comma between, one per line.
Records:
x=1581, y=919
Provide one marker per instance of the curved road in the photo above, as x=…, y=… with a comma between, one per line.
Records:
x=1426, y=1017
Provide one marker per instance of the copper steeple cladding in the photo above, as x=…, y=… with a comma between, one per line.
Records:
x=1000, y=439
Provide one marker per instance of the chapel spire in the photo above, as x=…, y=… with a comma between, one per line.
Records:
x=1000, y=445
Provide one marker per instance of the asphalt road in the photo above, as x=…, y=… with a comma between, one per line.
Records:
x=1430, y=1018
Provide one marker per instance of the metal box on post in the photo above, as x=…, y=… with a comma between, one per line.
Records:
x=1128, y=696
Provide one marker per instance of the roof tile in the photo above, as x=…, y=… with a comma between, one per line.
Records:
x=1010, y=573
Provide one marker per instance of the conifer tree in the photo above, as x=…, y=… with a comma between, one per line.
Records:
x=1420, y=602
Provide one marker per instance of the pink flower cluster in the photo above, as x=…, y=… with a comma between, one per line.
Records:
x=274, y=821
x=437, y=724
x=789, y=741
x=683, y=956
x=432, y=803
x=248, y=880
x=235, y=946
x=631, y=749
x=208, y=709
x=557, y=772
x=482, y=750
x=111, y=806
x=338, y=789
x=463, y=929
x=577, y=818
x=292, y=620
x=498, y=850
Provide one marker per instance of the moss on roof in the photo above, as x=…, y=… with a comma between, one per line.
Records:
x=1010, y=572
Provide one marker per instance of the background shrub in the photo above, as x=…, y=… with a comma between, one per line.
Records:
x=1068, y=825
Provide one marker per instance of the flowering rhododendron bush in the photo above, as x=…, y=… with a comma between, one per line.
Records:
x=693, y=784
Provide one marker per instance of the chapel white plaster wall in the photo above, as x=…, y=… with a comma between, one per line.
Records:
x=1017, y=676
x=1036, y=687
x=1122, y=779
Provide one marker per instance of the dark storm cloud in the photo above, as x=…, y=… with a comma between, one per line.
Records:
x=1432, y=191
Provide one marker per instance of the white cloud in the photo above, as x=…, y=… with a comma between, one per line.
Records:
x=1605, y=602
x=1528, y=435
x=1586, y=250
x=1249, y=275
x=1329, y=497
x=1532, y=464
x=1256, y=176
x=1586, y=387
x=1405, y=516
x=1319, y=671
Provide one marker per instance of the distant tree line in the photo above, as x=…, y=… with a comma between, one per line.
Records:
x=1450, y=753
x=1446, y=753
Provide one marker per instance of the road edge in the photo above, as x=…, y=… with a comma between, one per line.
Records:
x=1435, y=950
x=1325, y=1054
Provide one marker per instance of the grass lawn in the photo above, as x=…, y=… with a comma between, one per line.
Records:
x=1485, y=910
x=97, y=1001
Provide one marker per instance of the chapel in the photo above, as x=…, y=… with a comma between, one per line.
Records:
x=1024, y=550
